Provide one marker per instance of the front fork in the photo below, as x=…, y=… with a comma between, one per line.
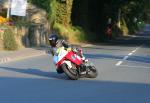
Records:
x=82, y=70
x=84, y=67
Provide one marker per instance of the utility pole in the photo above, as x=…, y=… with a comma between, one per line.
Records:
x=8, y=9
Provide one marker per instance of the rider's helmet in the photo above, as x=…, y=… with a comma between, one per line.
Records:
x=53, y=40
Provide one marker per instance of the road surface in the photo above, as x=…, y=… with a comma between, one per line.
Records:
x=124, y=76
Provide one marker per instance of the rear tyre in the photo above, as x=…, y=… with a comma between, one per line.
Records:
x=92, y=72
x=72, y=73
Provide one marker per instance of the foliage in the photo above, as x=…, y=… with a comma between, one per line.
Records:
x=130, y=9
x=92, y=16
x=52, y=11
x=124, y=27
x=9, y=40
x=3, y=20
x=44, y=4
x=70, y=33
x=63, y=12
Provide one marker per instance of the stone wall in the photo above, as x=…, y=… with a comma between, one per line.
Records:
x=34, y=30
x=39, y=28
x=36, y=26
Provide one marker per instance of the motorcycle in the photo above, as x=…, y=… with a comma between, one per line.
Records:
x=68, y=62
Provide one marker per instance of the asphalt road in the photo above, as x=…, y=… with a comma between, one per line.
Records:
x=124, y=76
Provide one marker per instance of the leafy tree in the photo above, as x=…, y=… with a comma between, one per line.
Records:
x=92, y=15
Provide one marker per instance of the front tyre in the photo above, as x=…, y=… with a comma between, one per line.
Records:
x=70, y=72
x=92, y=72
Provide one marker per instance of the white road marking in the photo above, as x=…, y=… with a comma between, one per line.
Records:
x=134, y=51
x=127, y=56
x=119, y=63
x=130, y=54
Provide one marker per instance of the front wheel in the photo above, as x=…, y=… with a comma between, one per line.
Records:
x=70, y=72
x=92, y=72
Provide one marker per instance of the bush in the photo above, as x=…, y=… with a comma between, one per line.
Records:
x=9, y=40
x=70, y=33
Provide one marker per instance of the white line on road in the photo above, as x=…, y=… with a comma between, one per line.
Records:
x=135, y=50
x=127, y=56
x=130, y=54
x=119, y=63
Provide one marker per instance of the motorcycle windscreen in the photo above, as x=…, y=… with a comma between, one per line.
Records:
x=55, y=59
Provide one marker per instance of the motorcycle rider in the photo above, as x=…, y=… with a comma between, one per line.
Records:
x=55, y=43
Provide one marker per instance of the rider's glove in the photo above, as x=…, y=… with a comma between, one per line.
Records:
x=74, y=50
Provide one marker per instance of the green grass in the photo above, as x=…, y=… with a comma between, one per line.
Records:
x=9, y=40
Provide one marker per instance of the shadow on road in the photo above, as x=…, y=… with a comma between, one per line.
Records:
x=29, y=90
x=36, y=72
x=143, y=59
x=124, y=42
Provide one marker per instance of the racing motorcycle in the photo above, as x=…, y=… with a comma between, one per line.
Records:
x=68, y=62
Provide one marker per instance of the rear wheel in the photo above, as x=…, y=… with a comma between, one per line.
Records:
x=72, y=73
x=92, y=72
